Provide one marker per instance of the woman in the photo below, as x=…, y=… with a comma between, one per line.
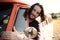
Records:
x=36, y=10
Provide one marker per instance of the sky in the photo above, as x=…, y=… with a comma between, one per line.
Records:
x=50, y=6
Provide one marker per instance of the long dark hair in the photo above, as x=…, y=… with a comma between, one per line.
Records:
x=28, y=11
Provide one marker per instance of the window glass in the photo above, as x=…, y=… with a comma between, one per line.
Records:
x=20, y=23
x=5, y=11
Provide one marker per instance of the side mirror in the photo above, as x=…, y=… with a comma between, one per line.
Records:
x=30, y=32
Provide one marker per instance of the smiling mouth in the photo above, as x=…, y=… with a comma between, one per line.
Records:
x=33, y=15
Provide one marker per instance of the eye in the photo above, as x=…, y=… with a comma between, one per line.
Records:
x=34, y=10
x=38, y=13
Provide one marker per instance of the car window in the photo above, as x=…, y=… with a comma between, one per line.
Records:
x=5, y=11
x=20, y=23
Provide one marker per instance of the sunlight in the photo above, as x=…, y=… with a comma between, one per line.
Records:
x=50, y=6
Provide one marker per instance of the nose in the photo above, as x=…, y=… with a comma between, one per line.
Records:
x=35, y=14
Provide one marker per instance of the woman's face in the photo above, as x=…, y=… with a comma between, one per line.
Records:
x=35, y=12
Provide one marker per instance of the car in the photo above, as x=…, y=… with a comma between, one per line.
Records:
x=11, y=15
